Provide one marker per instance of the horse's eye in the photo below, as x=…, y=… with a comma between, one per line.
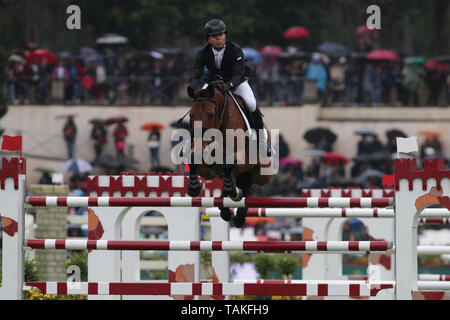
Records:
x=210, y=115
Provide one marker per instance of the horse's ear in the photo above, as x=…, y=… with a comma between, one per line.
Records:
x=210, y=91
x=191, y=92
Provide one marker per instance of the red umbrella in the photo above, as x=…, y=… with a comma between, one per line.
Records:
x=433, y=64
x=430, y=133
x=290, y=160
x=114, y=120
x=150, y=125
x=271, y=50
x=39, y=55
x=296, y=32
x=362, y=30
x=383, y=54
x=332, y=157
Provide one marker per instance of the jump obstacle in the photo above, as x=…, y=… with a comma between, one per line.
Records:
x=414, y=191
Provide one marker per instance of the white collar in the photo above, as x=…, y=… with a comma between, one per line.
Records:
x=218, y=51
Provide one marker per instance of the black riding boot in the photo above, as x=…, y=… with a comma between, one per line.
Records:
x=259, y=124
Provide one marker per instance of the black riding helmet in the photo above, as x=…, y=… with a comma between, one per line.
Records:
x=214, y=26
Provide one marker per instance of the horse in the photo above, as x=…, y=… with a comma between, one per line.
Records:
x=218, y=110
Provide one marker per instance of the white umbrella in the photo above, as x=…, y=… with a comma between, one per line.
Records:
x=76, y=165
x=16, y=58
x=313, y=152
x=156, y=54
x=112, y=39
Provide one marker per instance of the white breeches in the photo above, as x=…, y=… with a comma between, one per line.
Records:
x=246, y=93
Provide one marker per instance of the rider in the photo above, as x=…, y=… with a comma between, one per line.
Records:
x=225, y=59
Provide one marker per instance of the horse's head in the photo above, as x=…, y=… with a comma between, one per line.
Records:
x=207, y=106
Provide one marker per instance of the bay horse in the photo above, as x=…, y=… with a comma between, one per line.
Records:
x=218, y=110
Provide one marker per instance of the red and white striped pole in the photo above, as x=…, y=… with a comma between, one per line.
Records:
x=274, y=202
x=264, y=246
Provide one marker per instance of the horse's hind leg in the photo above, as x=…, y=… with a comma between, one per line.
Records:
x=244, y=181
x=194, y=188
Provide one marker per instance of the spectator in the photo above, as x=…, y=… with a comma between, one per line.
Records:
x=9, y=84
x=122, y=82
x=156, y=82
x=368, y=84
x=120, y=133
x=78, y=71
x=69, y=133
x=45, y=178
x=132, y=81
x=143, y=75
x=337, y=80
x=387, y=82
x=99, y=139
x=61, y=75
x=398, y=83
x=154, y=139
x=375, y=145
x=170, y=82
x=412, y=82
x=435, y=82
x=353, y=82
x=316, y=71
x=432, y=147
x=295, y=72
x=40, y=80
x=377, y=84
x=363, y=145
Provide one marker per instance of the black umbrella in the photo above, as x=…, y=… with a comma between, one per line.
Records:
x=97, y=121
x=374, y=156
x=114, y=162
x=443, y=58
x=395, y=133
x=315, y=135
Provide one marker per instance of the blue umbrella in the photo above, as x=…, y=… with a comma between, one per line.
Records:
x=334, y=49
x=366, y=132
x=87, y=53
x=253, y=54
x=78, y=165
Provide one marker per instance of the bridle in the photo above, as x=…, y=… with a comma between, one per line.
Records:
x=220, y=119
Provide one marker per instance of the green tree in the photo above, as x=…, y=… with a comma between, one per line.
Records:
x=287, y=264
x=264, y=264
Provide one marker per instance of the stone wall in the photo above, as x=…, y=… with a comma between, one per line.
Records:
x=51, y=223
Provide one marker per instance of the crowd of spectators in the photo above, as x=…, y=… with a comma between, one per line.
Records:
x=116, y=75
x=371, y=167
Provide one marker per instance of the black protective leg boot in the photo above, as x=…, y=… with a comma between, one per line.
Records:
x=259, y=125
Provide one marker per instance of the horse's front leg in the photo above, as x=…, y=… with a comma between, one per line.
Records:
x=194, y=188
x=229, y=186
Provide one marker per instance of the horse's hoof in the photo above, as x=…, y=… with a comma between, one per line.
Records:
x=226, y=214
x=194, y=192
x=238, y=221
x=239, y=218
x=239, y=195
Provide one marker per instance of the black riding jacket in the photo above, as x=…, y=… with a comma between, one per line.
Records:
x=232, y=68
